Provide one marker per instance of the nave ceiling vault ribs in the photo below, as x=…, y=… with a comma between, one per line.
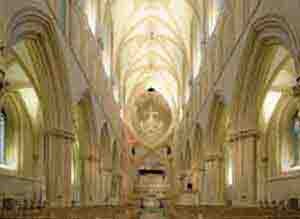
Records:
x=164, y=54
x=154, y=33
x=149, y=45
x=156, y=59
x=152, y=24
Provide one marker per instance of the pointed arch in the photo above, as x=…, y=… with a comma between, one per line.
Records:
x=32, y=28
x=270, y=30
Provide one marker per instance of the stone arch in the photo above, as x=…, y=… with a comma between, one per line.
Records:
x=35, y=28
x=267, y=31
x=266, y=34
x=278, y=137
x=250, y=89
x=32, y=27
x=19, y=128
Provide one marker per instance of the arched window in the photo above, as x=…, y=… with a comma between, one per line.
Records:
x=295, y=150
x=3, y=149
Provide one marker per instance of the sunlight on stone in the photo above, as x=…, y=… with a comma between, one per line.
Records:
x=270, y=103
x=10, y=166
x=91, y=15
x=230, y=175
x=31, y=100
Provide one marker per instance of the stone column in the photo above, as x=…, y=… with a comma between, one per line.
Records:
x=115, y=190
x=58, y=167
x=262, y=178
x=106, y=179
x=244, y=167
x=198, y=184
x=214, y=194
x=98, y=177
x=88, y=191
x=201, y=184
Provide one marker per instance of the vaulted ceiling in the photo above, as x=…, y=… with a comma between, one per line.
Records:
x=149, y=44
x=155, y=44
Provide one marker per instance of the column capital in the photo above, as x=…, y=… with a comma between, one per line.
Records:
x=61, y=133
x=247, y=133
x=213, y=157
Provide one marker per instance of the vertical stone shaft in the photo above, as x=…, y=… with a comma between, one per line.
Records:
x=58, y=167
x=244, y=172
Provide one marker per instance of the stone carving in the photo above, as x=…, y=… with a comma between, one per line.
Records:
x=150, y=118
x=152, y=125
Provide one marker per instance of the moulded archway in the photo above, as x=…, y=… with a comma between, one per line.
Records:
x=266, y=35
x=32, y=29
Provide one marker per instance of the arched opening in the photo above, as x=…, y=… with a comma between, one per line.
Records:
x=267, y=76
x=21, y=129
x=40, y=80
x=4, y=158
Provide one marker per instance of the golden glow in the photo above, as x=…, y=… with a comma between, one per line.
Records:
x=151, y=45
x=215, y=10
x=31, y=100
x=155, y=43
x=270, y=103
x=91, y=14
x=11, y=166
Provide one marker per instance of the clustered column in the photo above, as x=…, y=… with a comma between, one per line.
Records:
x=244, y=168
x=90, y=191
x=213, y=180
x=58, y=166
x=106, y=180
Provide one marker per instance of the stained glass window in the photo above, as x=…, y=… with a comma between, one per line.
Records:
x=2, y=137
